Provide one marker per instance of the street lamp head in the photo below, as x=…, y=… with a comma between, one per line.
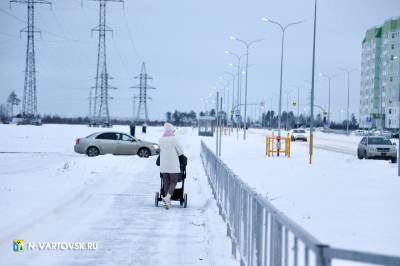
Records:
x=227, y=52
x=264, y=19
x=232, y=37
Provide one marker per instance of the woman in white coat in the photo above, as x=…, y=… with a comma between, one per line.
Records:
x=170, y=150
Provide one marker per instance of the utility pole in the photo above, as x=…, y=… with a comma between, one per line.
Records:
x=29, y=101
x=312, y=86
x=142, y=114
x=101, y=114
x=348, y=71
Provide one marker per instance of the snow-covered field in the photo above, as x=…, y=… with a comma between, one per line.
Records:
x=343, y=201
x=49, y=193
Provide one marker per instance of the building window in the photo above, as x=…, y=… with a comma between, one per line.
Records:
x=392, y=46
x=391, y=79
x=390, y=111
x=392, y=35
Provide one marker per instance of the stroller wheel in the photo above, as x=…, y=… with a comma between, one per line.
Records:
x=156, y=199
x=185, y=203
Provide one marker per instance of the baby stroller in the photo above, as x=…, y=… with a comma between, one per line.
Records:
x=179, y=193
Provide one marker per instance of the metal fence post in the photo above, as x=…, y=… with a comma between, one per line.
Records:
x=321, y=259
x=266, y=215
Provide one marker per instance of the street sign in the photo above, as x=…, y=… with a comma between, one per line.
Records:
x=377, y=115
x=294, y=104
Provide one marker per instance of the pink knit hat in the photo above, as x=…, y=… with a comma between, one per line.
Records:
x=168, y=130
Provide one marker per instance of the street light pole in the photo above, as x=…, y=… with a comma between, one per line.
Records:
x=329, y=77
x=233, y=90
x=239, y=58
x=312, y=86
x=298, y=105
x=283, y=28
x=287, y=109
x=247, y=45
x=348, y=71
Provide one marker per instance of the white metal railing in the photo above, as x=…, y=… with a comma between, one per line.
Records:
x=261, y=234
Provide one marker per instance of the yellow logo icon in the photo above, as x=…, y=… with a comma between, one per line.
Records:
x=18, y=245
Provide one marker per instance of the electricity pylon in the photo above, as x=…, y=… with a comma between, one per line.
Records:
x=101, y=114
x=29, y=101
x=142, y=115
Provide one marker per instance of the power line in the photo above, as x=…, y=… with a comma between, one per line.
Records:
x=12, y=15
x=131, y=37
x=9, y=35
x=43, y=30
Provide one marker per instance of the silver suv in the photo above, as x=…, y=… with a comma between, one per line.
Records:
x=377, y=148
x=115, y=143
x=299, y=134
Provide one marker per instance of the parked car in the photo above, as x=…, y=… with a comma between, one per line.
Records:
x=299, y=134
x=395, y=134
x=115, y=143
x=375, y=147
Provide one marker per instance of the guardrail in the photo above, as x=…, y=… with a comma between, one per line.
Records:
x=261, y=234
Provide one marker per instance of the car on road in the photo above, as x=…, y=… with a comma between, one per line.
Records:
x=395, y=134
x=299, y=134
x=376, y=147
x=117, y=143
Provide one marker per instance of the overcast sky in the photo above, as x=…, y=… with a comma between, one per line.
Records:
x=183, y=43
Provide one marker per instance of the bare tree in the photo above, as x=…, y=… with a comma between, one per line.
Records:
x=13, y=100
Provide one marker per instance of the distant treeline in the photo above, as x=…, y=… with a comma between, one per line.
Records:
x=178, y=118
x=56, y=119
x=289, y=120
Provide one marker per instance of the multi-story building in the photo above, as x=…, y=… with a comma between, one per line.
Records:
x=380, y=76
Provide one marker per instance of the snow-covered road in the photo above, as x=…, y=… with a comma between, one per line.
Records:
x=59, y=196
